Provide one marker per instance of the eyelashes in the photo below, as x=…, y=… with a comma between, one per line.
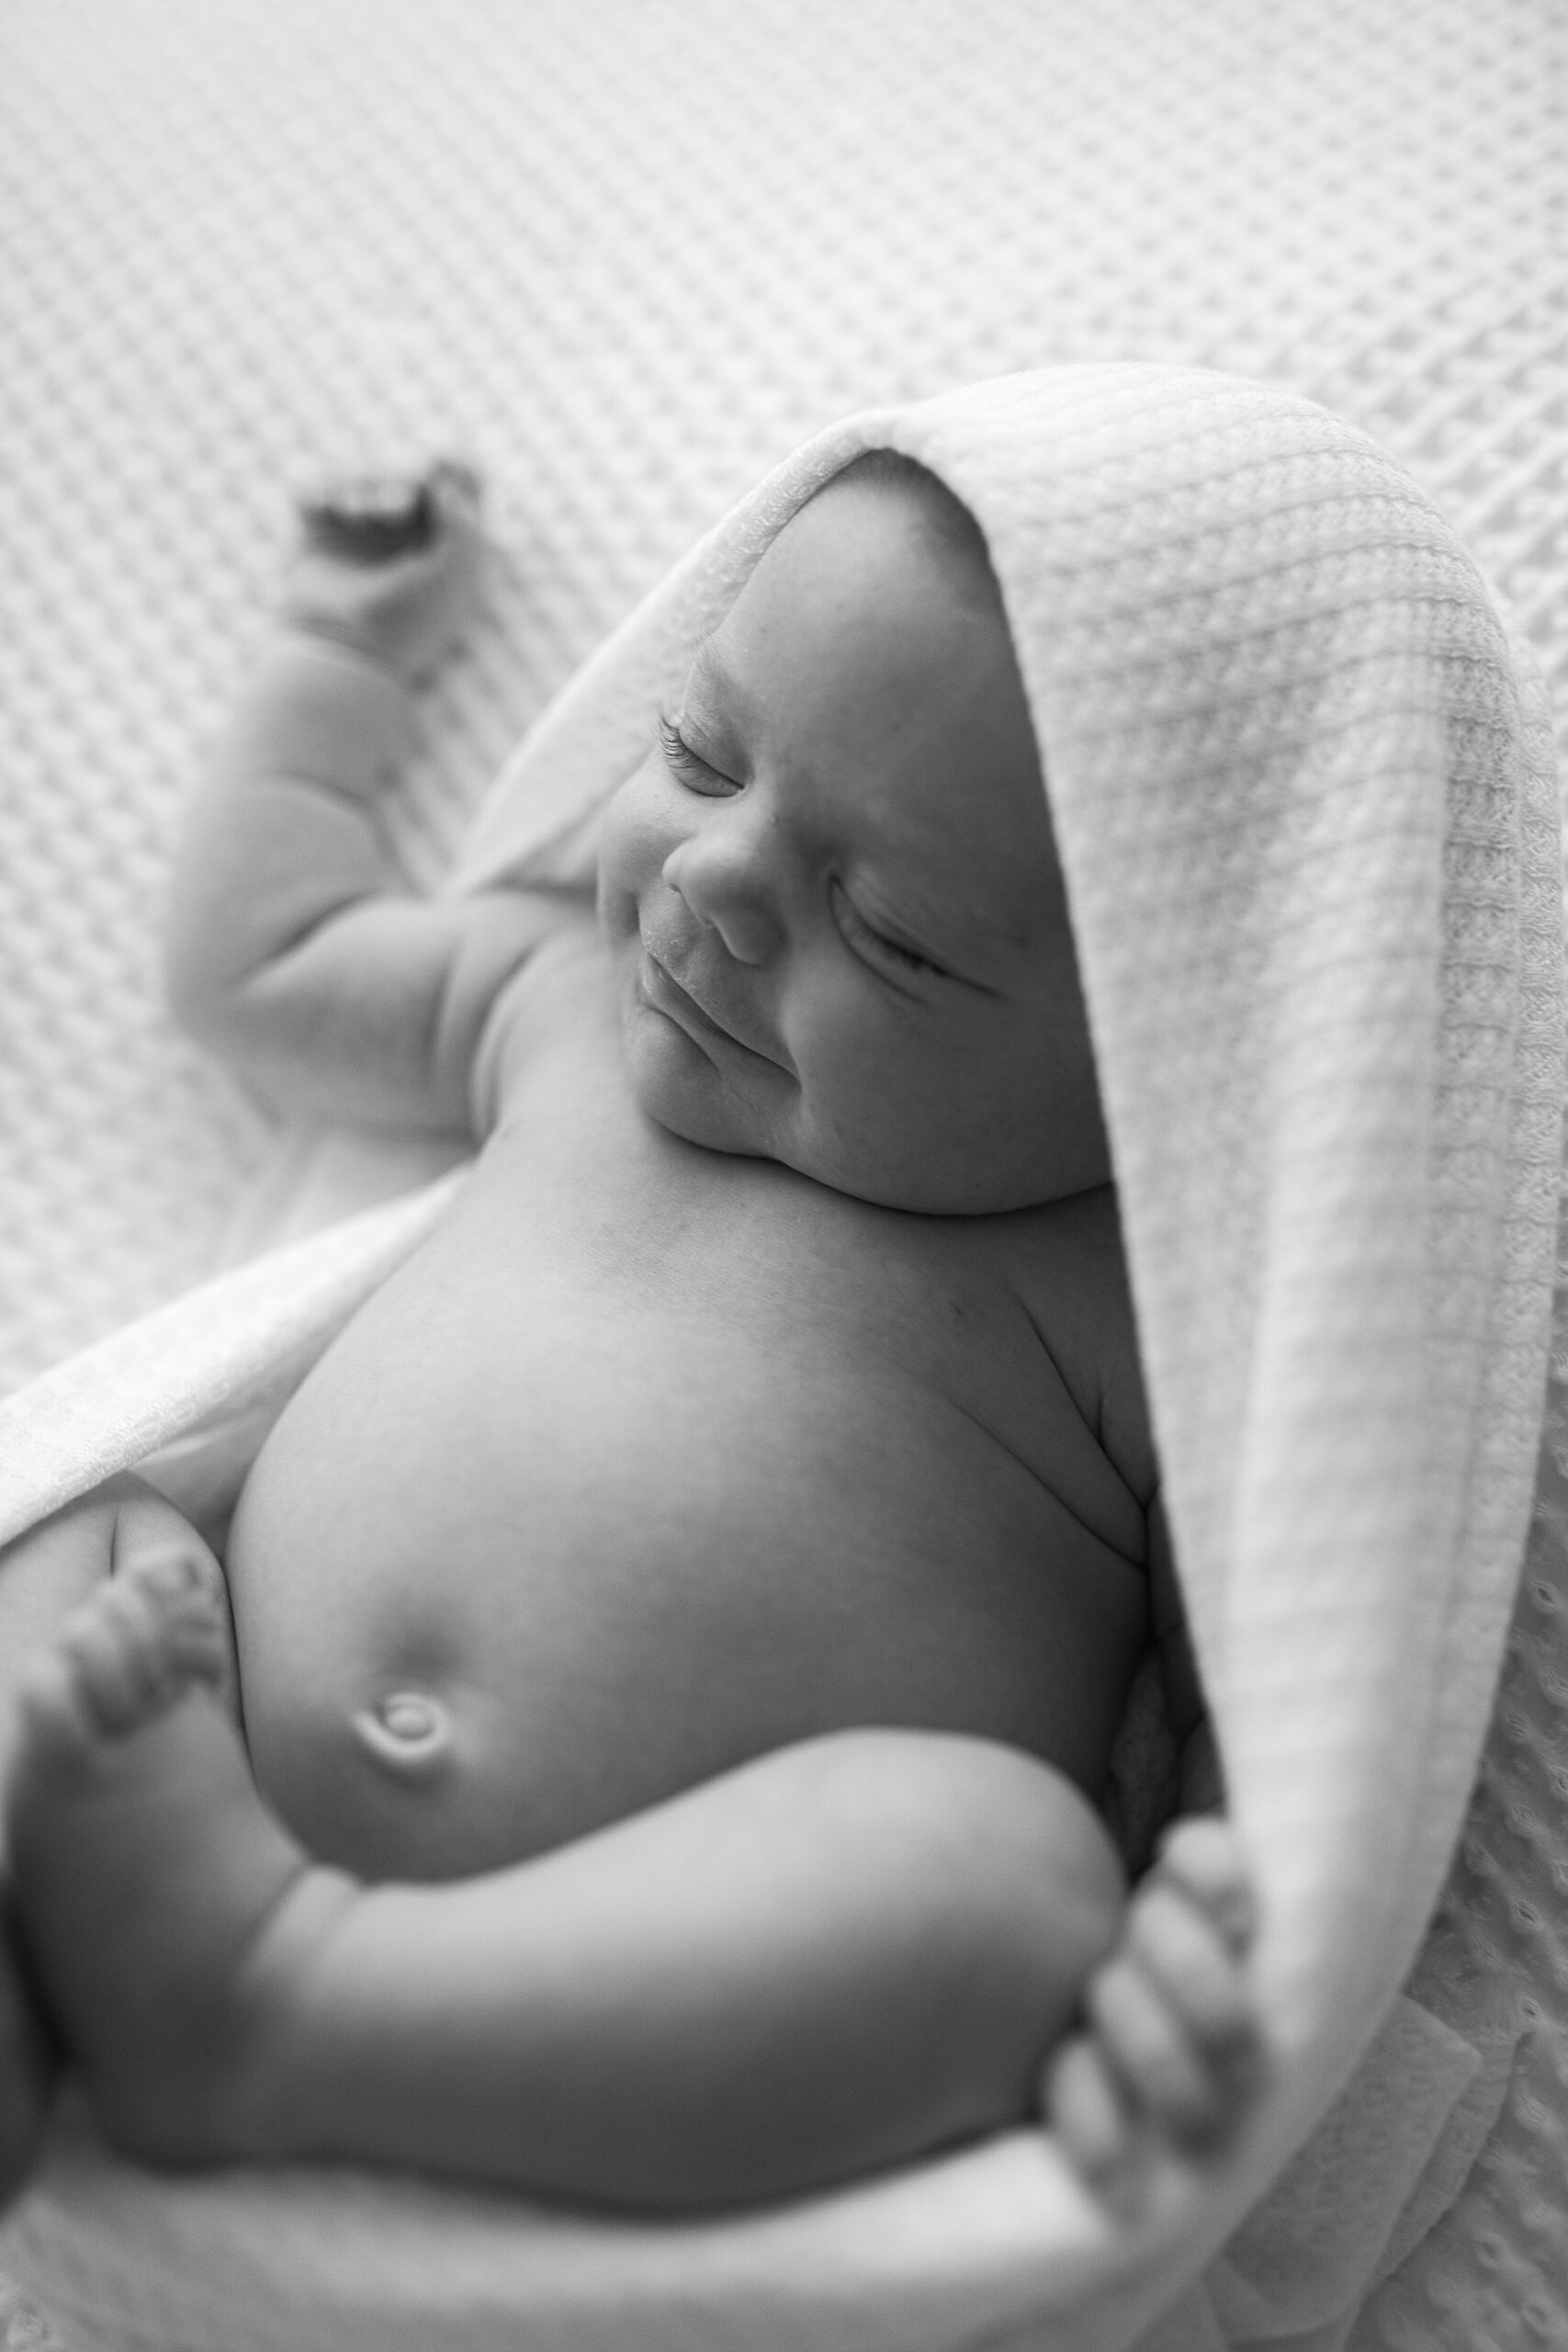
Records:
x=688, y=769
x=872, y=946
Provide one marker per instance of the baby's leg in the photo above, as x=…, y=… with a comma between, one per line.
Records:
x=1173, y=2049
x=840, y=1956
x=44, y=1576
x=99, y=1715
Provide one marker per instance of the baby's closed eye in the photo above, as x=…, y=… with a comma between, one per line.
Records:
x=874, y=946
x=689, y=767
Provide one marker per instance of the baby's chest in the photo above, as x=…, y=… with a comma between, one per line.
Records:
x=579, y=1428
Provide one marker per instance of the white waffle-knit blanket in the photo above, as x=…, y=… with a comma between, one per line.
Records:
x=1305, y=801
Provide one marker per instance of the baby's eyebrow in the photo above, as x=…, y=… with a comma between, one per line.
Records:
x=707, y=672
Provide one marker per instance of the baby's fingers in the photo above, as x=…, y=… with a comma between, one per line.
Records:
x=390, y=524
x=456, y=490
x=451, y=543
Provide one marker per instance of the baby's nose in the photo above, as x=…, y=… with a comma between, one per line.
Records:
x=723, y=880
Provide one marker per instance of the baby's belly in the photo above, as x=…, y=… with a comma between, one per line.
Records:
x=517, y=1563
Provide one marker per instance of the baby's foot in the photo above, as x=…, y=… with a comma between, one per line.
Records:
x=1173, y=2052
x=391, y=568
x=144, y=1864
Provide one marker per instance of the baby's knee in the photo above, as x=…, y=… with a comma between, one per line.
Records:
x=1008, y=1886
x=1001, y=1815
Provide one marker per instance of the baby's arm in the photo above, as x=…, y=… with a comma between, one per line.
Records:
x=295, y=946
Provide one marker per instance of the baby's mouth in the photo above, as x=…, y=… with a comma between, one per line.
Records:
x=658, y=987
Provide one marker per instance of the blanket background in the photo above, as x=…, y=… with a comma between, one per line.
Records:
x=626, y=254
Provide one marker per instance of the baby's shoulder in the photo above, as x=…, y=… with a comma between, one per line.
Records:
x=549, y=995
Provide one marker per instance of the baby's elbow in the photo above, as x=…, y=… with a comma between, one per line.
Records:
x=209, y=998
x=272, y=1035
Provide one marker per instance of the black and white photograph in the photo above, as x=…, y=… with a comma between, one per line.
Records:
x=784, y=1286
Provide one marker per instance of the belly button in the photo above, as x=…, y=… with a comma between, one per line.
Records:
x=408, y=1731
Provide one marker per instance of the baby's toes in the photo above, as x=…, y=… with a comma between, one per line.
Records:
x=144, y=1637
x=1179, y=2016
x=1190, y=1963
x=1204, y=1857
x=1167, y=2076
x=1084, y=2107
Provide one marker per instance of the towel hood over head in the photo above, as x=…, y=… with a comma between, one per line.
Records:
x=1304, y=789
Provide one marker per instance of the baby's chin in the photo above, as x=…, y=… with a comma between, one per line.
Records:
x=721, y=1123
x=680, y=1089
x=691, y=1095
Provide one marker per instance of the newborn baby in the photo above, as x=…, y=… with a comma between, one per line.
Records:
x=679, y=1629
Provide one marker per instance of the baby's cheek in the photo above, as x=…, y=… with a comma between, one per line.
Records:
x=616, y=909
x=861, y=1099
x=633, y=846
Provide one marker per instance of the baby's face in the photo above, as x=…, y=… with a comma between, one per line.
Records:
x=832, y=891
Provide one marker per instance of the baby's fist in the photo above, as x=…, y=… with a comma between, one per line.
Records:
x=391, y=568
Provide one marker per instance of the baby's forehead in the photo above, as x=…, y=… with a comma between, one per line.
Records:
x=873, y=581
x=869, y=667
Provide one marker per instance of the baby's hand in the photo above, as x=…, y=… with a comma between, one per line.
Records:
x=1173, y=2050
x=391, y=568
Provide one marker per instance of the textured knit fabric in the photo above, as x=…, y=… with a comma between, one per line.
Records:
x=1306, y=802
